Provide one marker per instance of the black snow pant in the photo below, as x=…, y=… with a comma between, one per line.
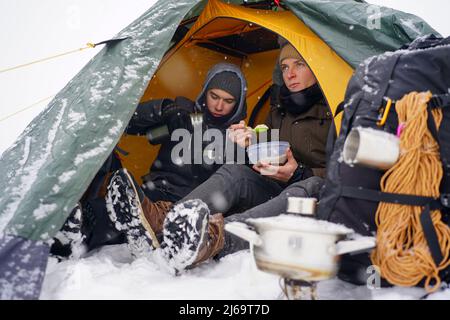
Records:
x=237, y=188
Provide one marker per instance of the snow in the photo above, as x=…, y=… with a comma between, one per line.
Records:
x=41, y=211
x=410, y=24
x=26, y=152
x=111, y=273
x=66, y=176
x=76, y=118
x=295, y=222
x=219, y=200
x=103, y=145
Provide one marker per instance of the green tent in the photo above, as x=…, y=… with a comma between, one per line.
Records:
x=49, y=167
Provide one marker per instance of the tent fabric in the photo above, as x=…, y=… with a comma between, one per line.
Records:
x=197, y=9
x=22, y=276
x=324, y=62
x=357, y=31
x=57, y=156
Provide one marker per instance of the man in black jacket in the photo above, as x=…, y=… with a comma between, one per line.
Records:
x=139, y=211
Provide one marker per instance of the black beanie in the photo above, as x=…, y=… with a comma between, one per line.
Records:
x=227, y=81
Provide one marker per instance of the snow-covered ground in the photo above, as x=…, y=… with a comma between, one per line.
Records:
x=36, y=30
x=111, y=273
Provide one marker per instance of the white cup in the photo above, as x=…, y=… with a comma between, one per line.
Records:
x=371, y=148
x=300, y=205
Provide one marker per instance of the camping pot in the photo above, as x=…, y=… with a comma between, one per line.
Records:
x=372, y=148
x=297, y=247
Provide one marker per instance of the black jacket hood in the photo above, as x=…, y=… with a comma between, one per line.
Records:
x=240, y=111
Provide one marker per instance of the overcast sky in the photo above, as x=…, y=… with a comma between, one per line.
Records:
x=435, y=12
x=35, y=29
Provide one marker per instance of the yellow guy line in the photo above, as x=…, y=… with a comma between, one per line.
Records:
x=89, y=45
x=26, y=108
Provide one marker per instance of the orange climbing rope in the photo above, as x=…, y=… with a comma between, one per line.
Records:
x=402, y=252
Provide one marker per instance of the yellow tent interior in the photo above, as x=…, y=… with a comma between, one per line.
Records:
x=246, y=37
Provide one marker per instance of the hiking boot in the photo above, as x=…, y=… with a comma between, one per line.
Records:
x=124, y=200
x=214, y=239
x=98, y=227
x=191, y=235
x=69, y=241
x=155, y=213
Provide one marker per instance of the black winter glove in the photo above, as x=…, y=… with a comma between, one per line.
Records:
x=176, y=117
x=169, y=112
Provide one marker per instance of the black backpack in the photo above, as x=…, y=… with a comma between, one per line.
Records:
x=351, y=194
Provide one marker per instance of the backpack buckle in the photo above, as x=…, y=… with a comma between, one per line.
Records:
x=385, y=111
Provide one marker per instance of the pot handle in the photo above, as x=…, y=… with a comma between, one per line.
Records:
x=242, y=230
x=357, y=245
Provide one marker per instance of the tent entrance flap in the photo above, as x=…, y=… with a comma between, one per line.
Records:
x=247, y=38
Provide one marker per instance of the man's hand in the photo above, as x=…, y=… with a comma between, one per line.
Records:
x=282, y=173
x=240, y=134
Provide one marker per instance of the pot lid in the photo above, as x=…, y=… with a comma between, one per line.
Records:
x=298, y=223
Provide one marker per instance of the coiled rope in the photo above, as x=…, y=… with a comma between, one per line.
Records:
x=402, y=252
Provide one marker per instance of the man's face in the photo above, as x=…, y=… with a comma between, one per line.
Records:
x=296, y=74
x=219, y=102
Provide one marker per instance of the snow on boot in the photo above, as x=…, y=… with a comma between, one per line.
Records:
x=69, y=241
x=188, y=237
x=124, y=205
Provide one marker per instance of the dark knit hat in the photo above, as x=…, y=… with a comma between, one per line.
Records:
x=227, y=81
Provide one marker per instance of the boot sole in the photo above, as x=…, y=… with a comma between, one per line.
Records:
x=182, y=233
x=133, y=222
x=70, y=237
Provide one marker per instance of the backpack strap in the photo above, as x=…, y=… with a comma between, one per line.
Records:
x=428, y=203
x=121, y=151
x=339, y=108
x=332, y=135
x=439, y=101
x=436, y=101
x=431, y=236
x=396, y=198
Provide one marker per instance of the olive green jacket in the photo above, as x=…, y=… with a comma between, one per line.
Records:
x=307, y=134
